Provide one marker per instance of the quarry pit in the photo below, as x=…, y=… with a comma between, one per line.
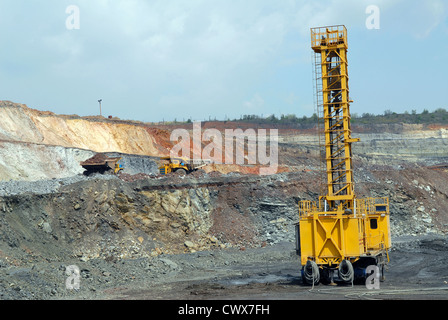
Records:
x=224, y=232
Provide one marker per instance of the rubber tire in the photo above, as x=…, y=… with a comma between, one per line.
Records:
x=311, y=272
x=181, y=172
x=346, y=271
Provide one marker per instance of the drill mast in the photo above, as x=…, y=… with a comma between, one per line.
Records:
x=330, y=49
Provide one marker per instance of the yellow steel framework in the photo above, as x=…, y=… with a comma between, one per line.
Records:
x=330, y=47
x=339, y=227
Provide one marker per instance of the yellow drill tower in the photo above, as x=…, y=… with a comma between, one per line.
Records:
x=339, y=236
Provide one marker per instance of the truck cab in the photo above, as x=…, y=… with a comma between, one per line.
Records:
x=178, y=165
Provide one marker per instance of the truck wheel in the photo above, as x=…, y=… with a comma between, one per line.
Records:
x=181, y=172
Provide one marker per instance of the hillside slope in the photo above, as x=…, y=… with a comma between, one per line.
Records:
x=38, y=145
x=20, y=123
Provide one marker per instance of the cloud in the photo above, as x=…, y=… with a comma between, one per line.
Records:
x=153, y=59
x=416, y=18
x=193, y=55
x=255, y=104
x=435, y=13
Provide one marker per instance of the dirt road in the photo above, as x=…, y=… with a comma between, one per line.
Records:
x=416, y=271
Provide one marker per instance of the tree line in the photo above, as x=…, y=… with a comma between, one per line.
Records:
x=439, y=115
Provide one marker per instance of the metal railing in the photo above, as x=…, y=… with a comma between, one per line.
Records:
x=372, y=206
x=328, y=36
x=365, y=206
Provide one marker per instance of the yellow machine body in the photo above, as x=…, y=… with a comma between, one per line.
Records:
x=182, y=165
x=174, y=164
x=328, y=237
x=338, y=227
x=118, y=168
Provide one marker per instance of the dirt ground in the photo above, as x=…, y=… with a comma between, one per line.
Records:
x=231, y=239
x=416, y=272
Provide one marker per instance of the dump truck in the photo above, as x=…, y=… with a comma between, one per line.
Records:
x=100, y=163
x=181, y=166
x=340, y=236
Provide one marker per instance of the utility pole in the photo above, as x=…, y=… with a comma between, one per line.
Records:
x=99, y=101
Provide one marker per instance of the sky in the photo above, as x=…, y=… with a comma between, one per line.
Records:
x=152, y=60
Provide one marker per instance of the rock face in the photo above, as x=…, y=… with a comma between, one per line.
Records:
x=385, y=145
x=171, y=216
x=38, y=145
x=30, y=162
x=22, y=124
x=429, y=147
x=102, y=218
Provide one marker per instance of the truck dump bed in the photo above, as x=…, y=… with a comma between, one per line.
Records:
x=100, y=163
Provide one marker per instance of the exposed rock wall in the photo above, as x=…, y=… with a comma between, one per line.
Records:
x=111, y=219
x=20, y=123
x=29, y=161
x=384, y=148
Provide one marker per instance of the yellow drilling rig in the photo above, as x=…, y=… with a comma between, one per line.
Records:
x=338, y=236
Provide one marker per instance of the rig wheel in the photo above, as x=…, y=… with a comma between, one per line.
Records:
x=346, y=271
x=310, y=273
